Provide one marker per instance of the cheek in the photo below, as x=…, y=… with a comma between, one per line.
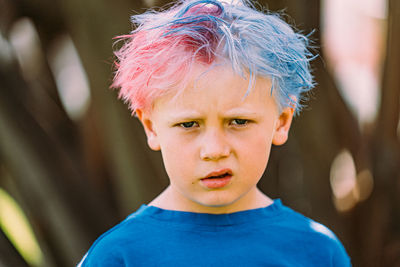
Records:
x=177, y=156
x=257, y=142
x=256, y=152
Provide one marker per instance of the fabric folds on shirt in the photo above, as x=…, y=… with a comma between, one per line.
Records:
x=271, y=236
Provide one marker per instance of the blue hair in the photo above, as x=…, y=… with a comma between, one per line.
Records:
x=261, y=44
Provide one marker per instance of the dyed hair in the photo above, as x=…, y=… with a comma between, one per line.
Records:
x=158, y=55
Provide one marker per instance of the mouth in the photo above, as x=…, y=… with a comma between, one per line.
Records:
x=217, y=179
x=219, y=174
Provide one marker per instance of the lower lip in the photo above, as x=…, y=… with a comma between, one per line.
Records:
x=214, y=183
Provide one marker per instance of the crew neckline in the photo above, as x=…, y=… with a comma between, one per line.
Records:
x=185, y=217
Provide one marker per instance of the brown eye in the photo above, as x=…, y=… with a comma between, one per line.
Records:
x=189, y=124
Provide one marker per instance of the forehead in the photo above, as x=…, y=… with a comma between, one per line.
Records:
x=218, y=86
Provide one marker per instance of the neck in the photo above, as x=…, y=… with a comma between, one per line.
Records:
x=171, y=200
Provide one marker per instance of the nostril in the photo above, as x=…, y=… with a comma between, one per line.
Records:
x=214, y=156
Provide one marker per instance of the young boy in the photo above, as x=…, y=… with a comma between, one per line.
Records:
x=214, y=85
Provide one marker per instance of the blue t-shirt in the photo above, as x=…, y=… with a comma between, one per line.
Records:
x=271, y=236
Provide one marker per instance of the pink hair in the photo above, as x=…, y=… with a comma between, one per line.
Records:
x=153, y=61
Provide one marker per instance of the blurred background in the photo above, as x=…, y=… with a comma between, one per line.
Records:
x=73, y=162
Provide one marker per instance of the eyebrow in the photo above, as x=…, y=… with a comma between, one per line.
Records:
x=240, y=112
x=184, y=115
x=194, y=115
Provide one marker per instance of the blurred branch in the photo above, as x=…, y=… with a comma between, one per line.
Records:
x=55, y=192
x=137, y=173
x=381, y=214
x=41, y=145
x=9, y=256
x=390, y=101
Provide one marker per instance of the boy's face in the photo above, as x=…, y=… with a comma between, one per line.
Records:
x=210, y=130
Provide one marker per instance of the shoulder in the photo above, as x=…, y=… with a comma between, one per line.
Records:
x=314, y=238
x=112, y=247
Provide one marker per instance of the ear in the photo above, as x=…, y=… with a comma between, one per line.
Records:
x=146, y=120
x=282, y=126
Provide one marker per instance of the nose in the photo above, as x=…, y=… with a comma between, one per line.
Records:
x=214, y=146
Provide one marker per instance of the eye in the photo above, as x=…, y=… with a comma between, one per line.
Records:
x=239, y=122
x=189, y=124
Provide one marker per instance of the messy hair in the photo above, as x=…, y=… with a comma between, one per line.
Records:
x=158, y=54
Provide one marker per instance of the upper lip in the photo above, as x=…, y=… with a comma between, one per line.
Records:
x=218, y=173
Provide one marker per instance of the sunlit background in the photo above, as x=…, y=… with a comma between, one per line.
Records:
x=354, y=38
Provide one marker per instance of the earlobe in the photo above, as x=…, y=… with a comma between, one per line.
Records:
x=282, y=126
x=152, y=139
